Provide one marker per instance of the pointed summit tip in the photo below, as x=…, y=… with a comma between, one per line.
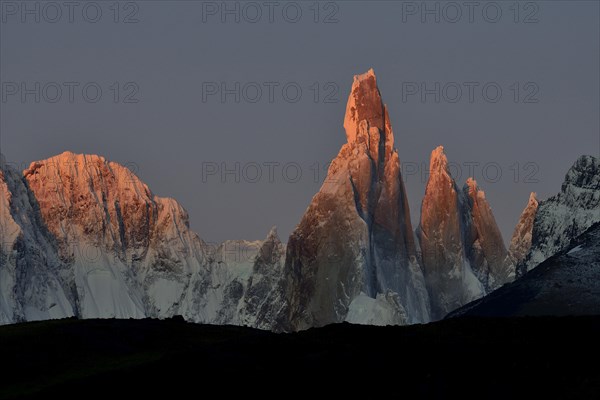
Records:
x=473, y=188
x=364, y=104
x=438, y=161
x=471, y=182
x=362, y=77
x=273, y=233
x=533, y=197
x=584, y=173
x=585, y=159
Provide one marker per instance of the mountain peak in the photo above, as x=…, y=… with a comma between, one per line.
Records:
x=64, y=161
x=438, y=162
x=364, y=104
x=585, y=173
x=367, y=75
x=473, y=188
x=520, y=242
x=462, y=251
x=69, y=155
x=472, y=184
x=85, y=168
x=563, y=217
x=273, y=236
x=356, y=235
x=532, y=199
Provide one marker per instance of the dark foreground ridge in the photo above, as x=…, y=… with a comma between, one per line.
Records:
x=472, y=357
x=567, y=283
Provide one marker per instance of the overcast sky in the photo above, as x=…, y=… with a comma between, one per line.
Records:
x=209, y=111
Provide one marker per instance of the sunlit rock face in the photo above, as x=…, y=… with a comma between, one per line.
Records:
x=463, y=254
x=127, y=253
x=442, y=233
x=520, y=242
x=356, y=238
x=565, y=216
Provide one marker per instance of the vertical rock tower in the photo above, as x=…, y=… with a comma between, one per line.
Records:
x=355, y=240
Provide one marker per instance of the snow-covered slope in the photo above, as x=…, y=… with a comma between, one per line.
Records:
x=355, y=238
x=463, y=254
x=385, y=309
x=567, y=215
x=567, y=283
x=30, y=288
x=520, y=242
x=129, y=252
x=264, y=299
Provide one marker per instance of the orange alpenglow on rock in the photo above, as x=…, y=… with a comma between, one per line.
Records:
x=354, y=248
x=521, y=238
x=463, y=254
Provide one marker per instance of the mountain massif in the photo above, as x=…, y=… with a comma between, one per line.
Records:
x=83, y=236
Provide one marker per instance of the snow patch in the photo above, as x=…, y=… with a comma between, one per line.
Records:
x=383, y=310
x=575, y=249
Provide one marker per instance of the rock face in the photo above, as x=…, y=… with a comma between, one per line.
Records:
x=463, y=254
x=30, y=285
x=486, y=251
x=84, y=236
x=442, y=234
x=264, y=299
x=521, y=238
x=128, y=251
x=567, y=283
x=355, y=238
x=568, y=214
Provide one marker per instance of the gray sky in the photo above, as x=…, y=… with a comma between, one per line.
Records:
x=181, y=133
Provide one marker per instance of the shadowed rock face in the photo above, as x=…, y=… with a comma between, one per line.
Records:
x=463, y=254
x=264, y=297
x=520, y=242
x=356, y=235
x=486, y=251
x=566, y=215
x=30, y=285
